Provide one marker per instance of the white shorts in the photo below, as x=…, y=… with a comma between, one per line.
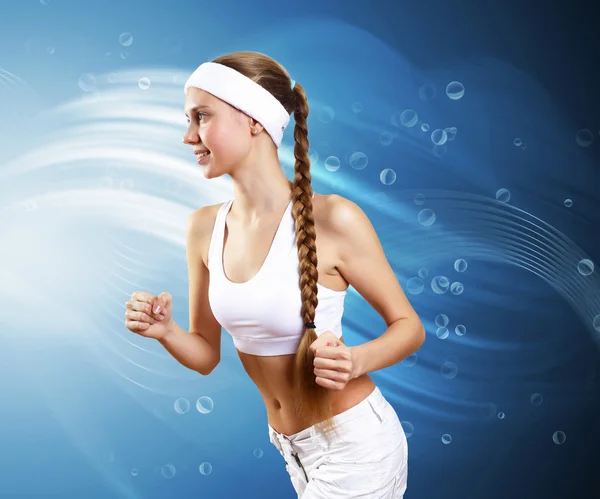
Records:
x=368, y=460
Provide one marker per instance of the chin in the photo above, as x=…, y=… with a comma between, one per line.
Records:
x=210, y=171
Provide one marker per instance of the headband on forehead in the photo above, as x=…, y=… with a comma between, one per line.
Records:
x=242, y=93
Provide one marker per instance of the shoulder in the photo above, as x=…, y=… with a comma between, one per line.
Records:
x=199, y=228
x=338, y=214
x=202, y=219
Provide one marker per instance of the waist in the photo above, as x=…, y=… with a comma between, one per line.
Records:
x=285, y=420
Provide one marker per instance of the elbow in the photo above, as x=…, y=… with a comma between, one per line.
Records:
x=209, y=368
x=420, y=334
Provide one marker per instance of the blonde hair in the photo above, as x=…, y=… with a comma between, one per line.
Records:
x=313, y=400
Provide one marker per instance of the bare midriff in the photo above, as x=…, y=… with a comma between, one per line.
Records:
x=273, y=377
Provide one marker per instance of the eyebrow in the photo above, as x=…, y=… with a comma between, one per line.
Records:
x=195, y=108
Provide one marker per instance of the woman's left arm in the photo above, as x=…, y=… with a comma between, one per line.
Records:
x=362, y=262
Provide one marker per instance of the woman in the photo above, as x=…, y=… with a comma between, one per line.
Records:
x=253, y=270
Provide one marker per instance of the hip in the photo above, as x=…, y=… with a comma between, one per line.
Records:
x=367, y=456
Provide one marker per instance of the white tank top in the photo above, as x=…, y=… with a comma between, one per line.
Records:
x=263, y=314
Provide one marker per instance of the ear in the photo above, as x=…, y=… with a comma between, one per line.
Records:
x=255, y=125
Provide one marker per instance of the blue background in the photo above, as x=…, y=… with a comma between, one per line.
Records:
x=96, y=187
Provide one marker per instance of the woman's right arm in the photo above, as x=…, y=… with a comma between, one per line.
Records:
x=200, y=348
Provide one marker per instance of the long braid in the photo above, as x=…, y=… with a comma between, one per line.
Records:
x=314, y=402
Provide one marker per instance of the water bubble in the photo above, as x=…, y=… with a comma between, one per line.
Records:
x=427, y=92
x=446, y=438
x=449, y=370
x=415, y=286
x=410, y=361
x=440, y=284
x=455, y=90
x=126, y=39
x=50, y=49
x=332, y=163
x=442, y=320
x=408, y=428
x=181, y=405
x=168, y=471
x=439, y=151
x=423, y=273
x=596, y=323
x=387, y=176
x=426, y=217
x=559, y=437
x=134, y=472
x=205, y=468
x=503, y=195
x=258, y=453
x=109, y=457
x=112, y=77
x=584, y=137
x=524, y=145
x=44, y=2
x=442, y=333
x=451, y=133
x=536, y=399
x=457, y=288
x=124, y=54
x=409, y=118
x=568, y=202
x=357, y=107
x=585, y=267
x=385, y=138
x=501, y=415
x=326, y=114
x=460, y=330
x=425, y=127
x=358, y=160
x=517, y=142
x=439, y=137
x=204, y=405
x=144, y=83
x=460, y=265
x=87, y=82
x=419, y=199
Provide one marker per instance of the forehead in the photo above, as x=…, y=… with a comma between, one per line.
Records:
x=197, y=98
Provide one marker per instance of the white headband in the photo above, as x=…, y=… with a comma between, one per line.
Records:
x=242, y=93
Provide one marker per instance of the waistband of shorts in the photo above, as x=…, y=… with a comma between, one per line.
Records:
x=375, y=398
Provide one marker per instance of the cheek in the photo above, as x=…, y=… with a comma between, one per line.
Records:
x=227, y=143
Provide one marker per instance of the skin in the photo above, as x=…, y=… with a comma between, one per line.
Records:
x=349, y=254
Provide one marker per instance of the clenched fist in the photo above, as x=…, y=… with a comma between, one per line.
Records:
x=334, y=363
x=149, y=315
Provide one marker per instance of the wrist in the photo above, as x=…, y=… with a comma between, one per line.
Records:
x=170, y=328
x=357, y=362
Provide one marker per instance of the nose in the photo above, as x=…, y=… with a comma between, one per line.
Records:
x=191, y=136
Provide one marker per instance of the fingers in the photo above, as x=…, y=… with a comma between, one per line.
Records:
x=142, y=301
x=328, y=383
x=161, y=302
x=340, y=376
x=136, y=326
x=141, y=296
x=139, y=317
x=333, y=352
x=344, y=366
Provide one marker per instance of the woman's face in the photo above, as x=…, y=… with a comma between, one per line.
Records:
x=219, y=128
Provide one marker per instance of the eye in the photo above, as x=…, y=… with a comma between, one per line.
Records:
x=199, y=115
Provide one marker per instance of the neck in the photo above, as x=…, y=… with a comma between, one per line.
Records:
x=260, y=189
